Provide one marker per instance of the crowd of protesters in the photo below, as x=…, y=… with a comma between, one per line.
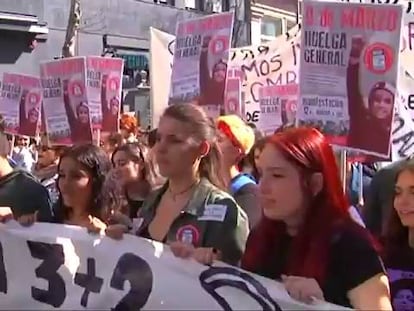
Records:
x=219, y=190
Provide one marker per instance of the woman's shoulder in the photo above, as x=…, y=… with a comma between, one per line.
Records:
x=350, y=234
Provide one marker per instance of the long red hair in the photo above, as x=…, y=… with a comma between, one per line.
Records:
x=309, y=151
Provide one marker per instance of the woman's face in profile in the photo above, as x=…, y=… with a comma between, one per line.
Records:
x=382, y=104
x=404, y=198
x=279, y=177
x=83, y=114
x=175, y=149
x=219, y=72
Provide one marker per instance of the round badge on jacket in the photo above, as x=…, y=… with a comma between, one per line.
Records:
x=188, y=234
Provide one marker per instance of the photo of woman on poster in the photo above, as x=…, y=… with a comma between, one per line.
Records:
x=78, y=117
x=211, y=86
x=111, y=107
x=29, y=113
x=370, y=127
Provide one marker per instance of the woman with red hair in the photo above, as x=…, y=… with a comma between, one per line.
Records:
x=129, y=127
x=308, y=239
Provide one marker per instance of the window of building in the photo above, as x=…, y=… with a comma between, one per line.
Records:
x=191, y=4
x=290, y=24
x=271, y=26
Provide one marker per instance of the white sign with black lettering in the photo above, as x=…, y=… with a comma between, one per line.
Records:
x=55, y=266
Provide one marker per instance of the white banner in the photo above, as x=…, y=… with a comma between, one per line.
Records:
x=273, y=63
x=161, y=59
x=54, y=266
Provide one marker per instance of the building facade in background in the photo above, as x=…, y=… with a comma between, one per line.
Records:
x=32, y=31
x=272, y=18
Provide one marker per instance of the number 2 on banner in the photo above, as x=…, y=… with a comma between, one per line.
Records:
x=139, y=274
x=3, y=276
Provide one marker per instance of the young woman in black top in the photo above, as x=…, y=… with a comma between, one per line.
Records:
x=307, y=238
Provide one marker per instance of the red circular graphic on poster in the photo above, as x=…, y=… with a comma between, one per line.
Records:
x=76, y=88
x=113, y=84
x=33, y=98
x=218, y=45
x=378, y=57
x=188, y=234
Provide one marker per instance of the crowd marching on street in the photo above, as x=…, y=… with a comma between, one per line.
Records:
x=276, y=198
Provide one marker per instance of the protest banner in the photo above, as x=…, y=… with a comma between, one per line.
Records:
x=200, y=61
x=62, y=267
x=406, y=83
x=277, y=107
x=65, y=103
x=104, y=87
x=407, y=42
x=273, y=63
x=30, y=104
x=402, y=142
x=348, y=73
x=9, y=102
x=161, y=59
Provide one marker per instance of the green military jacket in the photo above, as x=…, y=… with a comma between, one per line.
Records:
x=211, y=218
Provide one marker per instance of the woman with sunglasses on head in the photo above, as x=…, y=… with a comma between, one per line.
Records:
x=306, y=237
x=46, y=169
x=192, y=212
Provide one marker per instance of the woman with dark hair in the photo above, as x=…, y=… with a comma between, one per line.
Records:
x=29, y=112
x=82, y=170
x=399, y=240
x=250, y=163
x=137, y=173
x=211, y=86
x=78, y=118
x=379, y=113
x=192, y=212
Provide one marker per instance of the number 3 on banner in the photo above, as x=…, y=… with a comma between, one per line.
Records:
x=53, y=257
x=139, y=274
x=3, y=276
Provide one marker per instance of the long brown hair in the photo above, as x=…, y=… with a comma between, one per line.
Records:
x=396, y=237
x=202, y=129
x=139, y=152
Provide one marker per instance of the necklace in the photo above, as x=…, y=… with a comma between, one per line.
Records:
x=177, y=194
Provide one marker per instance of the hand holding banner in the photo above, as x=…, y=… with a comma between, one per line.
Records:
x=55, y=266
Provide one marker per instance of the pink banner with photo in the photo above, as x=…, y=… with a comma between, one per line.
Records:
x=30, y=106
x=104, y=87
x=200, y=61
x=65, y=101
x=9, y=102
x=278, y=105
x=349, y=72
